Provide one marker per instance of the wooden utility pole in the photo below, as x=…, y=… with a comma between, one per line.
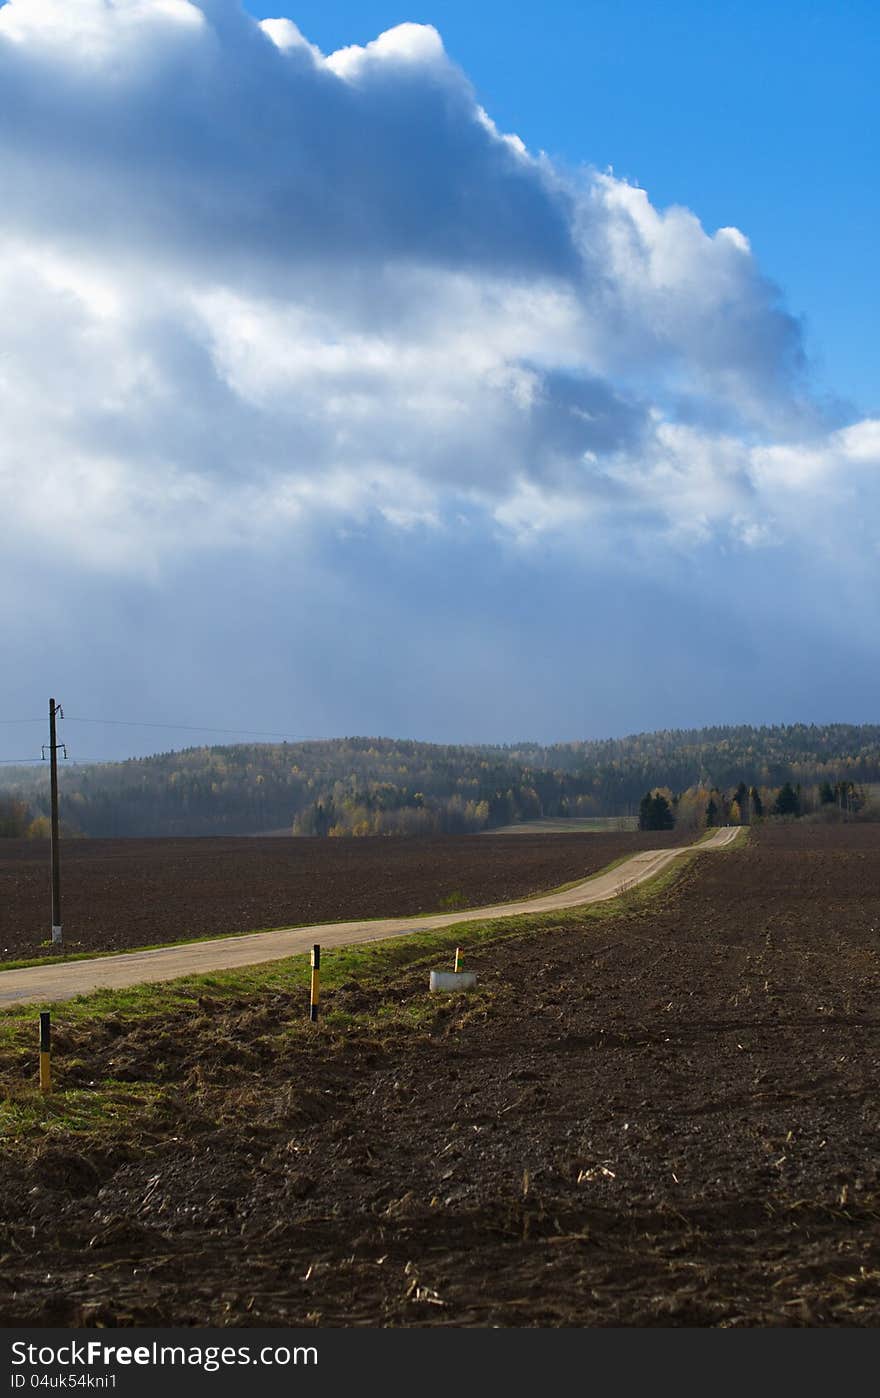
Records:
x=55, y=710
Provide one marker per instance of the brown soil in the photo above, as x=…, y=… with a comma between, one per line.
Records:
x=670, y=1117
x=118, y=894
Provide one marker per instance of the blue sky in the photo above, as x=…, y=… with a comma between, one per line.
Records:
x=470, y=375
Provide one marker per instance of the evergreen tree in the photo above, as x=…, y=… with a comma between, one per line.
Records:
x=788, y=801
x=741, y=798
x=655, y=812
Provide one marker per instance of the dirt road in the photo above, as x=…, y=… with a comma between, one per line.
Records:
x=49, y=983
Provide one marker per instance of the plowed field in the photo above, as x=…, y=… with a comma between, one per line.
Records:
x=118, y=894
x=667, y=1117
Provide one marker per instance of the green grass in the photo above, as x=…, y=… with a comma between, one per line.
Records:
x=80, y=1112
x=452, y=902
x=566, y=825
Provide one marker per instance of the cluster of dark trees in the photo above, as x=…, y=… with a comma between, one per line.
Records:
x=702, y=806
x=365, y=786
x=656, y=812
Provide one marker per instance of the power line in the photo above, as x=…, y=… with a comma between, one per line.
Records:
x=168, y=727
x=196, y=728
x=71, y=761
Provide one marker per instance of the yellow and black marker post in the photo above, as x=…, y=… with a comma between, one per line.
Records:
x=316, y=976
x=45, y=1051
x=457, y=966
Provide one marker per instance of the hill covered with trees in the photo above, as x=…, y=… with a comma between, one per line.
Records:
x=381, y=786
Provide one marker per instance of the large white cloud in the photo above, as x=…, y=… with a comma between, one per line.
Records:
x=245, y=287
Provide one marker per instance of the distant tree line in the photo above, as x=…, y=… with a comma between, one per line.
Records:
x=382, y=786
